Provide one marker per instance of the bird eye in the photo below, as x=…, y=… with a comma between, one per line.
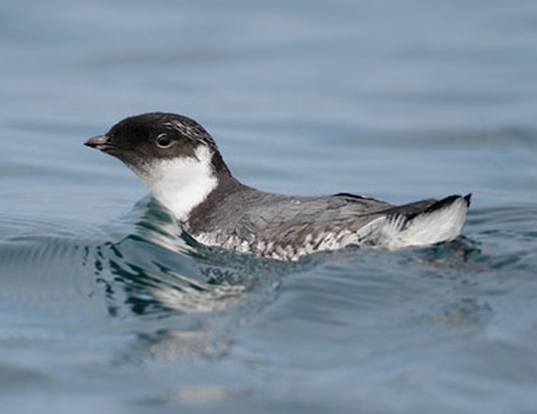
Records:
x=163, y=141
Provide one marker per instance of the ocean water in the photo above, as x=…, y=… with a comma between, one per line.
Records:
x=106, y=306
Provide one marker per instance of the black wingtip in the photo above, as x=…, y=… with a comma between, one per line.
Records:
x=468, y=199
x=449, y=200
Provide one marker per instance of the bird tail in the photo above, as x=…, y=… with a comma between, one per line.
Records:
x=425, y=223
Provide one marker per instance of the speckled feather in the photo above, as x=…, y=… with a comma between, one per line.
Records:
x=288, y=227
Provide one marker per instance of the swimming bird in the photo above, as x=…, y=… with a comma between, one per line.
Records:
x=179, y=162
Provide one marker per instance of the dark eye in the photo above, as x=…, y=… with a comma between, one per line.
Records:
x=163, y=141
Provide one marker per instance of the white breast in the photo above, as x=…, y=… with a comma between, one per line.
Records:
x=181, y=184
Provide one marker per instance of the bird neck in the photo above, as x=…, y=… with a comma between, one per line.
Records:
x=182, y=184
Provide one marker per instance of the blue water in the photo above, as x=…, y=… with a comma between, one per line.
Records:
x=105, y=306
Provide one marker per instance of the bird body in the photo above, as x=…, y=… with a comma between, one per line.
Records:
x=181, y=165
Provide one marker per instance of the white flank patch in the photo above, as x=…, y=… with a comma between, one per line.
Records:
x=181, y=184
x=425, y=229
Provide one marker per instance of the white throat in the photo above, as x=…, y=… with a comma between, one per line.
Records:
x=181, y=184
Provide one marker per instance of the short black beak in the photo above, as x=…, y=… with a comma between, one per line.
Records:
x=99, y=142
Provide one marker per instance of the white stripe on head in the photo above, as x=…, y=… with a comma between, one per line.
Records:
x=180, y=184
